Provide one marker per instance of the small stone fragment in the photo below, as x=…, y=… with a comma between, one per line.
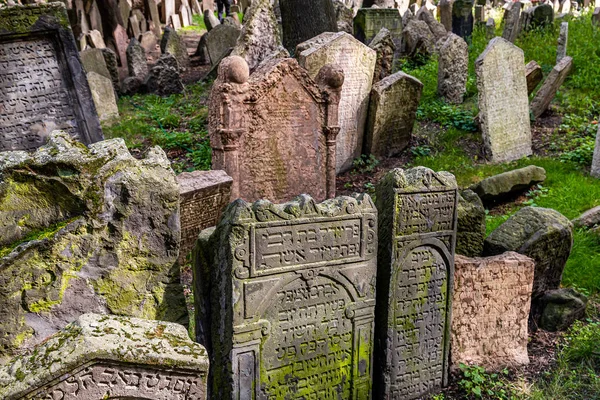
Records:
x=560, y=308
x=499, y=187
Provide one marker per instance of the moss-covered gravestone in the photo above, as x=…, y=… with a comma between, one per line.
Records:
x=285, y=297
x=417, y=226
x=108, y=357
x=42, y=84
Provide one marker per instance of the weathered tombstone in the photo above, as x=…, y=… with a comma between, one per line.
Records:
x=95, y=18
x=196, y=7
x=304, y=19
x=260, y=35
x=121, y=41
x=453, y=69
x=168, y=10
x=369, y=21
x=210, y=20
x=471, y=226
x=108, y=357
x=203, y=196
x=110, y=58
x=184, y=14
x=596, y=17
x=384, y=46
x=154, y=17
x=392, y=113
x=208, y=5
x=479, y=14
x=490, y=28
x=137, y=65
x=125, y=11
x=202, y=51
x=92, y=60
x=437, y=29
x=220, y=40
x=96, y=40
x=503, y=101
x=344, y=16
x=172, y=43
x=43, y=85
x=534, y=75
x=275, y=131
x=358, y=63
x=142, y=23
x=417, y=39
x=490, y=310
x=134, y=27
x=538, y=16
x=462, y=18
x=103, y=94
x=175, y=22
x=551, y=84
x=563, y=38
x=415, y=273
x=148, y=41
x=596, y=159
x=512, y=17
x=498, y=188
x=292, y=292
x=445, y=11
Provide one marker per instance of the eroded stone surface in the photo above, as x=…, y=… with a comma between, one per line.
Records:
x=220, y=40
x=136, y=60
x=503, y=101
x=392, y=112
x=534, y=75
x=292, y=289
x=103, y=95
x=560, y=308
x=369, y=21
x=563, y=38
x=490, y=310
x=384, y=45
x=500, y=186
x=512, y=16
x=471, y=224
x=453, y=69
x=100, y=356
x=274, y=132
x=551, y=84
x=43, y=86
x=417, y=231
x=358, y=63
x=172, y=43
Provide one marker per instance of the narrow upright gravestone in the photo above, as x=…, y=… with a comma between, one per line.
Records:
x=291, y=289
x=462, y=18
x=358, y=63
x=503, y=101
x=43, y=86
x=275, y=132
x=415, y=269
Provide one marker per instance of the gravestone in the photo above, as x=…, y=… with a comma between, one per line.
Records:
x=358, y=63
x=417, y=39
x=415, y=270
x=369, y=21
x=93, y=60
x=563, y=38
x=596, y=158
x=344, y=16
x=384, y=46
x=260, y=35
x=210, y=20
x=538, y=16
x=121, y=41
x=445, y=11
x=152, y=11
x=203, y=196
x=551, y=84
x=134, y=27
x=110, y=58
x=137, y=66
x=125, y=11
x=142, y=23
x=103, y=95
x=172, y=43
x=109, y=357
x=437, y=29
x=175, y=22
x=220, y=40
x=534, y=75
x=148, y=41
x=95, y=18
x=43, y=86
x=453, y=69
x=470, y=232
x=479, y=14
x=512, y=17
x=168, y=10
x=392, y=113
x=276, y=130
x=490, y=28
x=291, y=288
x=96, y=40
x=503, y=101
x=302, y=20
x=462, y=18
x=490, y=310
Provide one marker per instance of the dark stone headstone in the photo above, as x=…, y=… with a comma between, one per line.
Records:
x=471, y=224
x=369, y=21
x=43, y=86
x=304, y=19
x=462, y=18
x=415, y=272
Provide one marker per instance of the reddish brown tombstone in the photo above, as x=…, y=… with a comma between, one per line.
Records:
x=275, y=132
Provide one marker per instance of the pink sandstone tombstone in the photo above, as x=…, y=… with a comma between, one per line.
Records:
x=203, y=195
x=490, y=309
x=275, y=132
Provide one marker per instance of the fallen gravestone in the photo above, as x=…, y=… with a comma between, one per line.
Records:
x=471, y=224
x=589, y=219
x=551, y=84
x=384, y=46
x=392, y=113
x=358, y=63
x=276, y=130
x=503, y=101
x=302, y=20
x=110, y=357
x=220, y=40
x=203, y=196
x=85, y=229
x=415, y=273
x=453, y=69
x=462, y=18
x=499, y=187
x=490, y=310
x=43, y=85
x=563, y=38
x=369, y=21
x=290, y=290
x=534, y=75
x=560, y=308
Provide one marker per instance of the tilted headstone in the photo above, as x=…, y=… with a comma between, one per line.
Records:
x=344, y=16
x=490, y=310
x=168, y=10
x=103, y=95
x=121, y=41
x=563, y=38
x=172, y=43
x=512, y=17
x=154, y=17
x=96, y=40
x=260, y=35
x=503, y=101
x=490, y=28
x=275, y=132
x=445, y=12
x=437, y=29
x=95, y=17
x=113, y=68
x=302, y=20
x=358, y=63
x=125, y=11
x=471, y=226
x=175, y=22
x=220, y=40
x=538, y=16
x=384, y=46
x=415, y=272
x=534, y=75
x=291, y=289
x=551, y=84
x=462, y=18
x=453, y=69
x=596, y=159
x=110, y=357
x=417, y=39
x=139, y=15
x=43, y=86
x=148, y=41
x=134, y=27
x=392, y=112
x=369, y=21
x=203, y=196
x=210, y=20
x=137, y=65
x=93, y=60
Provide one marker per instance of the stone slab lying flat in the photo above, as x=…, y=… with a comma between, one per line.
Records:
x=502, y=185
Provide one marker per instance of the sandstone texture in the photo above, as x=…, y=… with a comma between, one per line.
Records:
x=551, y=84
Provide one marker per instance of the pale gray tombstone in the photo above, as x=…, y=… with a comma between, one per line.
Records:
x=221, y=40
x=168, y=8
x=596, y=159
x=134, y=26
x=154, y=17
x=124, y=10
x=563, y=38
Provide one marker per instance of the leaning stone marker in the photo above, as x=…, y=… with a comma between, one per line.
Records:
x=384, y=46
x=302, y=20
x=43, y=86
x=369, y=21
x=110, y=357
x=503, y=101
x=490, y=310
x=551, y=84
x=292, y=293
x=453, y=69
x=471, y=224
x=275, y=132
x=417, y=226
x=512, y=21
x=392, y=113
x=220, y=40
x=534, y=75
x=358, y=63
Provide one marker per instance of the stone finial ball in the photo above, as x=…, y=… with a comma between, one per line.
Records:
x=234, y=69
x=332, y=75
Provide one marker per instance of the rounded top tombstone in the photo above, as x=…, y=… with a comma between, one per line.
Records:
x=234, y=69
x=331, y=75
